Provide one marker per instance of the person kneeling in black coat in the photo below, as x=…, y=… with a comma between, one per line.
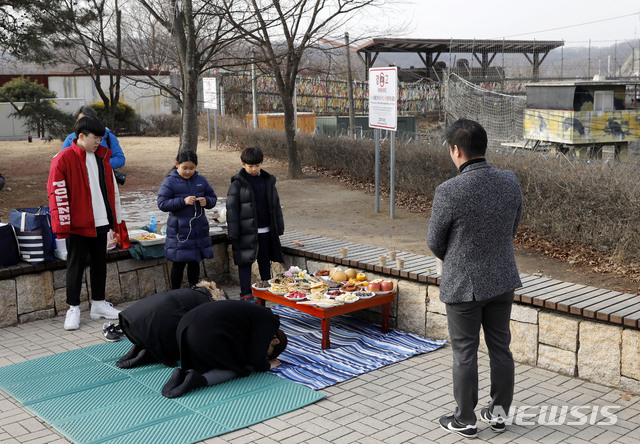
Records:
x=222, y=341
x=151, y=323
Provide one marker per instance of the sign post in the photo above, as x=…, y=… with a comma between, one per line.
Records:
x=210, y=92
x=383, y=114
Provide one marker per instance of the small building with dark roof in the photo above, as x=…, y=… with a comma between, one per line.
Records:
x=430, y=52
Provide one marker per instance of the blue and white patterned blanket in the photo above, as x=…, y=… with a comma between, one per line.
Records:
x=357, y=347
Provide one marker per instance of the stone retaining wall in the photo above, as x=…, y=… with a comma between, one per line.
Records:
x=566, y=344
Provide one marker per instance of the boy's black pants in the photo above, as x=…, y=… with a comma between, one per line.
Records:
x=264, y=265
x=78, y=248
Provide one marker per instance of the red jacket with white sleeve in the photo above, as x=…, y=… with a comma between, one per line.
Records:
x=70, y=201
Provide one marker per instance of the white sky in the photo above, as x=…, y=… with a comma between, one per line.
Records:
x=575, y=21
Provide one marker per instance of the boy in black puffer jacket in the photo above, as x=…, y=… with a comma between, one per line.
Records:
x=254, y=220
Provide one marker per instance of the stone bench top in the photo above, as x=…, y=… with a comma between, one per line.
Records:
x=580, y=300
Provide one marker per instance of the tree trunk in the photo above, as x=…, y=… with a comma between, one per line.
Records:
x=184, y=35
x=294, y=170
x=189, y=132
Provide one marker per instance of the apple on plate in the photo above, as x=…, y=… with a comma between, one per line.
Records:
x=373, y=286
x=386, y=285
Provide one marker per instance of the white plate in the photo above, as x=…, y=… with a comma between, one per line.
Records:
x=369, y=296
x=323, y=304
x=378, y=293
x=286, y=295
x=271, y=281
x=318, y=297
x=279, y=294
x=159, y=239
x=342, y=296
x=259, y=288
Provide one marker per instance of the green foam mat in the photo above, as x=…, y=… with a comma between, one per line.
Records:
x=83, y=395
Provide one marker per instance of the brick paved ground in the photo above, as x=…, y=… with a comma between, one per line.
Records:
x=399, y=403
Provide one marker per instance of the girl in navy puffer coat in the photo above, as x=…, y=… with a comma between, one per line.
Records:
x=184, y=194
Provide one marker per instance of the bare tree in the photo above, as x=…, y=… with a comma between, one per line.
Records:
x=179, y=35
x=283, y=30
x=95, y=34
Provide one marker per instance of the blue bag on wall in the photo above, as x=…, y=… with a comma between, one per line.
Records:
x=35, y=237
x=8, y=246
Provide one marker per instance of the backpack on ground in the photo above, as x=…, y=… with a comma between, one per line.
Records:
x=8, y=245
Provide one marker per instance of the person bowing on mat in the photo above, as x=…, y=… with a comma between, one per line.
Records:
x=151, y=323
x=222, y=341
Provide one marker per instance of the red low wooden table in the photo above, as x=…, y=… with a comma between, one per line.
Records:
x=325, y=314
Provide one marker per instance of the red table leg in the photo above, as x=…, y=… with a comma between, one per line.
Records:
x=326, y=325
x=385, y=317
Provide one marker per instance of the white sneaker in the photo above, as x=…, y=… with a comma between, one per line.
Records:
x=72, y=320
x=103, y=309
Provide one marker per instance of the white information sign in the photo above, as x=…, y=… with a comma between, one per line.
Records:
x=383, y=98
x=210, y=93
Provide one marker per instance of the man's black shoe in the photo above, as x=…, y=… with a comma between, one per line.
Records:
x=450, y=424
x=496, y=422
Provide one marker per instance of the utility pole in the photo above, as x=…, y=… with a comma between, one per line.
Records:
x=352, y=117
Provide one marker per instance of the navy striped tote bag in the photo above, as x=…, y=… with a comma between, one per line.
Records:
x=35, y=237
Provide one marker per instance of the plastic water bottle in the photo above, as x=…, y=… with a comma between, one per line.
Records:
x=152, y=224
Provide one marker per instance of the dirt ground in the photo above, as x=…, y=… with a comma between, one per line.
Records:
x=314, y=204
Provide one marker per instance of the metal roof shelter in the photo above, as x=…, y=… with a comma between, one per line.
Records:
x=484, y=51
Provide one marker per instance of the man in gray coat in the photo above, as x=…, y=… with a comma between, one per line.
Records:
x=474, y=219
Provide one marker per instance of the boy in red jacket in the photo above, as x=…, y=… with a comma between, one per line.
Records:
x=82, y=201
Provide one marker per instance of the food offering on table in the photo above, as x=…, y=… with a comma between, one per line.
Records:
x=333, y=285
x=296, y=296
x=321, y=273
x=359, y=284
x=361, y=277
x=278, y=289
x=279, y=285
x=319, y=287
x=338, y=275
x=296, y=273
x=347, y=297
x=364, y=294
x=316, y=297
x=282, y=280
x=380, y=286
x=333, y=293
x=302, y=286
x=349, y=287
x=351, y=273
x=322, y=303
x=262, y=285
